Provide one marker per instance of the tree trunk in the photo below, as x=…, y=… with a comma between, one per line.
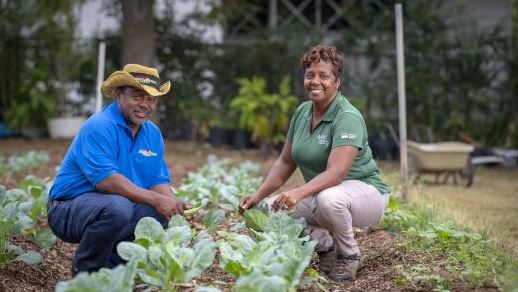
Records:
x=138, y=32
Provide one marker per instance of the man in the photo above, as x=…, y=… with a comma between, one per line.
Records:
x=114, y=172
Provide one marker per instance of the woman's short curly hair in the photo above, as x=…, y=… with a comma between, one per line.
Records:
x=324, y=53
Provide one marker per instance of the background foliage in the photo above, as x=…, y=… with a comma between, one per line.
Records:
x=460, y=77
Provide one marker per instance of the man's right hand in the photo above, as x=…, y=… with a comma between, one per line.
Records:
x=247, y=202
x=168, y=206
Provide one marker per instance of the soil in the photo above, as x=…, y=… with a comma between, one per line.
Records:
x=380, y=249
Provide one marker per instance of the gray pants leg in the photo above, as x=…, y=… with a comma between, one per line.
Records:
x=332, y=213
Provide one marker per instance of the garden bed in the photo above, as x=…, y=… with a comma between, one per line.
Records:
x=389, y=264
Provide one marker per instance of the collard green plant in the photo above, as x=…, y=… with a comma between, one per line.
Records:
x=14, y=206
x=119, y=279
x=219, y=184
x=169, y=256
x=20, y=208
x=280, y=255
x=20, y=164
x=256, y=218
x=212, y=218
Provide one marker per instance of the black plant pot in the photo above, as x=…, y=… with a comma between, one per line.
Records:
x=240, y=139
x=218, y=136
x=186, y=131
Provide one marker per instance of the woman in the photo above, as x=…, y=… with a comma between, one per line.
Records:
x=327, y=141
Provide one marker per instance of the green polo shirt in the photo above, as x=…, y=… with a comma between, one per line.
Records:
x=342, y=124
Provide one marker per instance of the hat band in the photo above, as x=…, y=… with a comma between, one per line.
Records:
x=146, y=79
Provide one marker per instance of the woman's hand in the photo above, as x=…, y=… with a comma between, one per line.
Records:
x=248, y=202
x=286, y=200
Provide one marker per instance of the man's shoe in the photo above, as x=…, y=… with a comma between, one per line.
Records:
x=345, y=268
x=327, y=260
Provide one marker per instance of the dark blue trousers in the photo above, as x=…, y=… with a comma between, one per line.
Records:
x=98, y=222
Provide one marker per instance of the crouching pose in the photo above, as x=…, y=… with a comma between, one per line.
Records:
x=327, y=141
x=114, y=172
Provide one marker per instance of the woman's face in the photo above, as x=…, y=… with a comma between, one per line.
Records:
x=320, y=83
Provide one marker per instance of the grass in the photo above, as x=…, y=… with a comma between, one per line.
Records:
x=456, y=253
x=489, y=207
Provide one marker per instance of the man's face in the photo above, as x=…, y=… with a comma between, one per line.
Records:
x=136, y=105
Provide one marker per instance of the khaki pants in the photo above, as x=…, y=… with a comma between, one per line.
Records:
x=332, y=213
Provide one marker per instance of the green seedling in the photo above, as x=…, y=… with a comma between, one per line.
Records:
x=193, y=210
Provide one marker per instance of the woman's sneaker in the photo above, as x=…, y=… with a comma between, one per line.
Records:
x=327, y=259
x=345, y=268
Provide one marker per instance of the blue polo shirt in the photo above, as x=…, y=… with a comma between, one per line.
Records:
x=104, y=146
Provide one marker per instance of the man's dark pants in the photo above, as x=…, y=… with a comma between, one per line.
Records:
x=98, y=222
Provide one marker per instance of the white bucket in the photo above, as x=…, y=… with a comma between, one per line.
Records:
x=64, y=127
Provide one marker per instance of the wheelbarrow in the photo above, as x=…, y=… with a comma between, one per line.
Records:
x=447, y=159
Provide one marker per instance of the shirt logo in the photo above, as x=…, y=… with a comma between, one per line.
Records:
x=348, y=136
x=322, y=139
x=147, y=152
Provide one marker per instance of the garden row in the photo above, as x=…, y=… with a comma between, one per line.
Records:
x=24, y=209
x=271, y=257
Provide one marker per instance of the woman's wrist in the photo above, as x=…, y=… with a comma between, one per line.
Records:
x=259, y=196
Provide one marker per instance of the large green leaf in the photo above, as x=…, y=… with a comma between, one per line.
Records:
x=30, y=257
x=296, y=258
x=178, y=236
x=156, y=255
x=151, y=278
x=119, y=279
x=149, y=228
x=283, y=227
x=204, y=253
x=44, y=238
x=175, y=267
x=212, y=219
x=181, y=255
x=131, y=251
x=258, y=282
x=14, y=249
x=177, y=221
x=122, y=277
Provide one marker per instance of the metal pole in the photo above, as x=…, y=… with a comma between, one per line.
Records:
x=100, y=76
x=401, y=99
x=273, y=15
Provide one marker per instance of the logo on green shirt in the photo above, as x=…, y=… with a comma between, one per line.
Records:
x=348, y=136
x=322, y=139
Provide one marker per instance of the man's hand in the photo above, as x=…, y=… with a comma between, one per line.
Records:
x=167, y=206
x=286, y=200
x=247, y=203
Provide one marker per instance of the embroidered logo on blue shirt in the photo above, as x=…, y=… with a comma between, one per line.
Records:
x=147, y=152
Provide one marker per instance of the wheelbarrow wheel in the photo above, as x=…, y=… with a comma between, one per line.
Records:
x=413, y=167
x=467, y=174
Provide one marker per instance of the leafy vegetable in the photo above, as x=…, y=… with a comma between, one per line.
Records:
x=219, y=183
x=212, y=219
x=193, y=210
x=280, y=252
x=120, y=279
x=255, y=219
x=170, y=256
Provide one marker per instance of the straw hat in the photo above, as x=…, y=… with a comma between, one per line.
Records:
x=138, y=76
